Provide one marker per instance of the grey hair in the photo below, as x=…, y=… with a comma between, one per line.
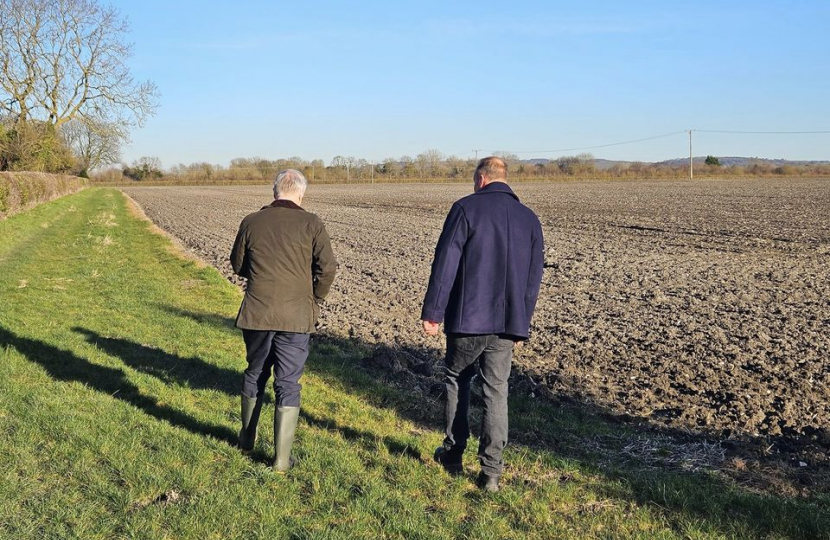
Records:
x=289, y=181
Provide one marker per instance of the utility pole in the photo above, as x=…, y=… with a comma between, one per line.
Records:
x=691, y=163
x=373, y=171
x=476, y=150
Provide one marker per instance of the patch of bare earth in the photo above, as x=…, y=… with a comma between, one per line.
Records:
x=700, y=306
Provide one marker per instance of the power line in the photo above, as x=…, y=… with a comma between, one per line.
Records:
x=601, y=145
x=819, y=132
x=762, y=132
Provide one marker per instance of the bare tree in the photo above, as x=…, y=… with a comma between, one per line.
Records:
x=430, y=161
x=509, y=157
x=65, y=59
x=458, y=167
x=94, y=142
x=407, y=166
x=267, y=169
x=390, y=167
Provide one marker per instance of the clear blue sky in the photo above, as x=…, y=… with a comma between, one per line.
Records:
x=378, y=79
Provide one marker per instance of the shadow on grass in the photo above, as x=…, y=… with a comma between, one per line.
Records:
x=67, y=366
x=571, y=431
x=217, y=321
x=365, y=438
x=190, y=372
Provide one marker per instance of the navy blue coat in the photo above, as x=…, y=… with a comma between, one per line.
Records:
x=488, y=266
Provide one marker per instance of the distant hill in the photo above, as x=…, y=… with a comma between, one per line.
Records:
x=731, y=161
x=604, y=164
x=727, y=161
x=601, y=164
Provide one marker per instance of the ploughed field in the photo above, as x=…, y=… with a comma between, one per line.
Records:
x=702, y=305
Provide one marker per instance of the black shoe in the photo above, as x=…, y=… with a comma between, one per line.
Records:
x=488, y=483
x=451, y=461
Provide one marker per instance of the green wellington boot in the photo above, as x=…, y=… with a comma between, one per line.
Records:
x=285, y=424
x=251, y=408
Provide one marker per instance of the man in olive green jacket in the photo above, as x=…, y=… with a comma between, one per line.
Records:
x=285, y=254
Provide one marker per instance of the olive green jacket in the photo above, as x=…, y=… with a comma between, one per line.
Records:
x=285, y=253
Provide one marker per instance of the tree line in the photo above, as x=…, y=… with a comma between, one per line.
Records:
x=431, y=166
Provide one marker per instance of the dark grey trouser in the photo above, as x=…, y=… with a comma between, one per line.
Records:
x=493, y=355
x=285, y=353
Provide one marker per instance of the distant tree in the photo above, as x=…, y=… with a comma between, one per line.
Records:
x=457, y=167
x=361, y=167
x=146, y=168
x=341, y=163
x=295, y=162
x=94, y=142
x=389, y=167
x=267, y=169
x=318, y=168
x=206, y=169
x=508, y=157
x=408, y=167
x=113, y=174
x=429, y=162
x=351, y=162
x=420, y=163
x=713, y=161
x=241, y=163
x=576, y=165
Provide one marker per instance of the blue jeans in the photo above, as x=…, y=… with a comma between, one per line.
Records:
x=283, y=352
x=493, y=356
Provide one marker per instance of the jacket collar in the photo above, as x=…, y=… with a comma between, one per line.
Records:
x=497, y=187
x=282, y=203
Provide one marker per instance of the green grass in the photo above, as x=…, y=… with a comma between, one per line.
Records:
x=119, y=373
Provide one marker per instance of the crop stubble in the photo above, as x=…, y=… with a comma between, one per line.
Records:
x=702, y=305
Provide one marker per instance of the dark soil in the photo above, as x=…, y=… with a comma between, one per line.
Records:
x=696, y=305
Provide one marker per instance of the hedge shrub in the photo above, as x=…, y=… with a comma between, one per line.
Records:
x=20, y=191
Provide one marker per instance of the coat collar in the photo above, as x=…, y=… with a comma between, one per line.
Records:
x=497, y=187
x=282, y=203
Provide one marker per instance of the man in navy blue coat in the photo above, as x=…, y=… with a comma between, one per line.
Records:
x=484, y=284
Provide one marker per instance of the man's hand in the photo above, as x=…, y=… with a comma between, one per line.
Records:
x=430, y=328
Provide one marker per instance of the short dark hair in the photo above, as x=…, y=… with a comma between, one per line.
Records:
x=495, y=168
